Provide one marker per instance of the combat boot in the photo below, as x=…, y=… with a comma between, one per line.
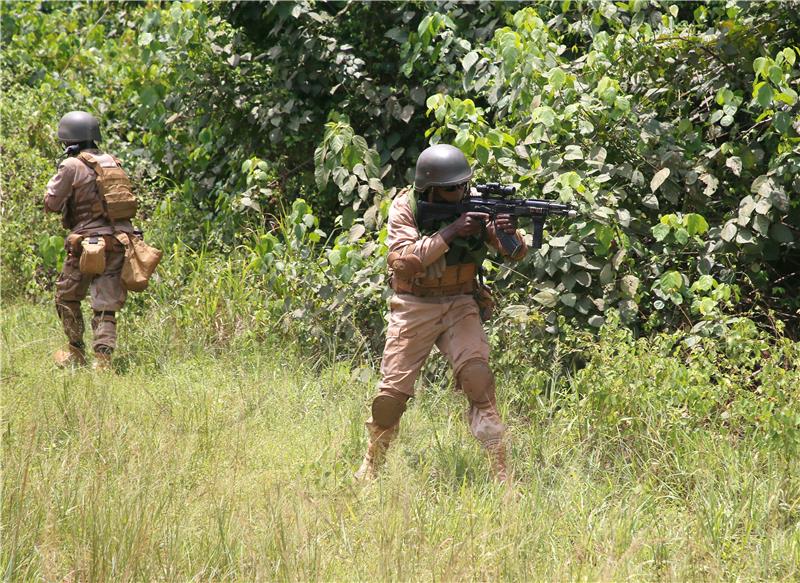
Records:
x=102, y=362
x=72, y=355
x=497, y=459
x=379, y=440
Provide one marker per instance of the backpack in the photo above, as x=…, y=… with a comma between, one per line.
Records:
x=113, y=186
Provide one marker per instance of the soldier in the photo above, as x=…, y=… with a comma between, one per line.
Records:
x=73, y=191
x=433, y=274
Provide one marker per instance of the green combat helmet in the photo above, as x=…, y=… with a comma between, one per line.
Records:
x=441, y=165
x=78, y=126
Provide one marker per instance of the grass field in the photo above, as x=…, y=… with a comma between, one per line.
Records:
x=236, y=464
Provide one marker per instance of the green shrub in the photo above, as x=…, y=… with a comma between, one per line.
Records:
x=744, y=383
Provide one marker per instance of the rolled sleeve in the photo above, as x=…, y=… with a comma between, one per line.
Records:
x=404, y=236
x=59, y=188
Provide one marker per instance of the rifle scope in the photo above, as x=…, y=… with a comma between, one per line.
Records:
x=496, y=188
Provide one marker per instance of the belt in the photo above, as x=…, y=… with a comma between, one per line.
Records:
x=113, y=244
x=453, y=290
x=73, y=243
x=456, y=280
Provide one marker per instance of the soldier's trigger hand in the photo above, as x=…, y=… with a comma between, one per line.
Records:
x=470, y=224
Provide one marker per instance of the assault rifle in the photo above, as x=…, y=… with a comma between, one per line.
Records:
x=493, y=202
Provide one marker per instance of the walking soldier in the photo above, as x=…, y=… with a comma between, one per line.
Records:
x=93, y=195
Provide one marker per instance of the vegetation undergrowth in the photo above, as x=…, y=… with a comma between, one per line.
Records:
x=646, y=355
x=236, y=464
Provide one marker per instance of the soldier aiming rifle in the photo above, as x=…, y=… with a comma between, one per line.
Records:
x=437, y=237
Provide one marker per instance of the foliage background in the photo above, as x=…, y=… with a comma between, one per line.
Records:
x=673, y=128
x=267, y=141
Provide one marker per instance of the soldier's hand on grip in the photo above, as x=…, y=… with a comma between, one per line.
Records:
x=470, y=224
x=507, y=223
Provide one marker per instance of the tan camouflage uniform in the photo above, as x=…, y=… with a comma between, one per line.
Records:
x=450, y=322
x=73, y=192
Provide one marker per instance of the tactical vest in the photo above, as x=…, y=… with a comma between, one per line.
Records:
x=463, y=260
x=462, y=250
x=78, y=212
x=114, y=198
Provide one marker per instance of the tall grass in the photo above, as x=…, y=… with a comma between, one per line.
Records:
x=237, y=465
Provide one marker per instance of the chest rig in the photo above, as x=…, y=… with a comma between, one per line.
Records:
x=463, y=260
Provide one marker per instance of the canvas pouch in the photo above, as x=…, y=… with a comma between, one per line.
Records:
x=140, y=262
x=93, y=255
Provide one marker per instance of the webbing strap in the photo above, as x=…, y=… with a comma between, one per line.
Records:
x=97, y=206
x=105, y=316
x=92, y=160
x=88, y=159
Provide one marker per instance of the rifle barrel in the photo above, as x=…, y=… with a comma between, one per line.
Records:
x=548, y=207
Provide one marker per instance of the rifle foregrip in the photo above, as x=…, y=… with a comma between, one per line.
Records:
x=538, y=228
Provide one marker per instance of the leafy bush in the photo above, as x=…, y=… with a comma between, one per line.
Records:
x=673, y=130
x=620, y=124
x=32, y=249
x=744, y=384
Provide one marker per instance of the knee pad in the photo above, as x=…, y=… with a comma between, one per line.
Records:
x=477, y=381
x=388, y=407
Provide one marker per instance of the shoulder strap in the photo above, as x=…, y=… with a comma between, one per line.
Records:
x=92, y=162
x=88, y=159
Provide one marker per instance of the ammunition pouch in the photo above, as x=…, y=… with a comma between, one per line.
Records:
x=93, y=255
x=456, y=280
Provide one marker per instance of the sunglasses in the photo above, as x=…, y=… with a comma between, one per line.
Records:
x=454, y=187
